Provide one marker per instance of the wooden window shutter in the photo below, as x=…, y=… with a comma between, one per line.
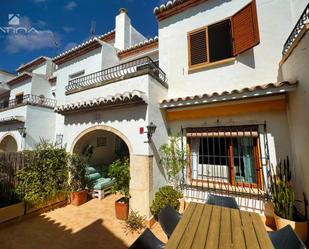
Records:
x=245, y=29
x=198, y=47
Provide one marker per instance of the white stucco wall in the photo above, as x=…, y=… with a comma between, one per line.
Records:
x=109, y=56
x=276, y=128
x=156, y=94
x=256, y=66
x=90, y=62
x=22, y=87
x=41, y=86
x=40, y=123
x=296, y=68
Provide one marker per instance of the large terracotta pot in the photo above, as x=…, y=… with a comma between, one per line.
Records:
x=122, y=209
x=269, y=214
x=300, y=227
x=78, y=198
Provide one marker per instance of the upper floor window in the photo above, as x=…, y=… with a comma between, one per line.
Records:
x=19, y=98
x=77, y=74
x=225, y=39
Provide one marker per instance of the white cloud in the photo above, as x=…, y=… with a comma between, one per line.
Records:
x=70, y=5
x=15, y=43
x=68, y=29
x=30, y=42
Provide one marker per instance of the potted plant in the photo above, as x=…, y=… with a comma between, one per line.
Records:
x=77, y=167
x=283, y=199
x=119, y=171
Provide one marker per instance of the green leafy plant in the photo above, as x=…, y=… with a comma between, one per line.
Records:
x=282, y=191
x=119, y=171
x=88, y=152
x=135, y=222
x=45, y=174
x=172, y=159
x=77, y=165
x=165, y=195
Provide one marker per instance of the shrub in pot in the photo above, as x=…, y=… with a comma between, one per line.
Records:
x=165, y=195
x=119, y=171
x=77, y=167
x=283, y=200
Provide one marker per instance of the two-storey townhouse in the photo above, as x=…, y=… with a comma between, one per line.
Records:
x=224, y=97
x=26, y=110
x=108, y=91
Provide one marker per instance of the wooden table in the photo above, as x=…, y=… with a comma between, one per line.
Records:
x=214, y=227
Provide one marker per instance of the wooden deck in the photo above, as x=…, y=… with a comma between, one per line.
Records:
x=213, y=227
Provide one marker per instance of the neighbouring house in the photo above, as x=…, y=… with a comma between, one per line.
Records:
x=26, y=109
x=212, y=77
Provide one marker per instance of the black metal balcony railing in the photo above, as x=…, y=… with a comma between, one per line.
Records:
x=28, y=99
x=132, y=68
x=304, y=18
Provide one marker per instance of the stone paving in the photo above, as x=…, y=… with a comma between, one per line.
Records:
x=92, y=225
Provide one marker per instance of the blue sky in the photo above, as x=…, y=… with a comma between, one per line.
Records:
x=65, y=23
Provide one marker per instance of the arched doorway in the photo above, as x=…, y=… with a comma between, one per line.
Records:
x=8, y=144
x=106, y=146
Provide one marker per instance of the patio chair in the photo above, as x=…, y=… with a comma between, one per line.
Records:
x=222, y=201
x=168, y=219
x=286, y=238
x=147, y=240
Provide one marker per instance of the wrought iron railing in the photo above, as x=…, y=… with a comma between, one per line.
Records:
x=28, y=99
x=229, y=161
x=142, y=65
x=304, y=18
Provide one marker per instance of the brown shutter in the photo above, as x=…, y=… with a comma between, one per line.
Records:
x=198, y=48
x=245, y=29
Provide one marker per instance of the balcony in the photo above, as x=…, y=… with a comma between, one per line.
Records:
x=28, y=99
x=297, y=32
x=134, y=68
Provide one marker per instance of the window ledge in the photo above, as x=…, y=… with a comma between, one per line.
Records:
x=211, y=64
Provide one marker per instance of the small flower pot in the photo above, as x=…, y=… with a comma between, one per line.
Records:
x=122, y=209
x=78, y=198
x=300, y=227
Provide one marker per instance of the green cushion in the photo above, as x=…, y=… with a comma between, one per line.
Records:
x=93, y=177
x=90, y=170
x=101, y=183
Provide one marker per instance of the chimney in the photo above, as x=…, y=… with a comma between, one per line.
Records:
x=123, y=30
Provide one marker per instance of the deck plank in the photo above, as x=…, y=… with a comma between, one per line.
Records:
x=214, y=228
x=238, y=239
x=260, y=231
x=249, y=232
x=202, y=231
x=189, y=233
x=225, y=240
x=180, y=228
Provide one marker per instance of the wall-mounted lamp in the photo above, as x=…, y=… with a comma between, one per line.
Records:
x=151, y=128
x=22, y=131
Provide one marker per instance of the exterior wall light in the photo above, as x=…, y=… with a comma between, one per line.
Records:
x=22, y=131
x=151, y=128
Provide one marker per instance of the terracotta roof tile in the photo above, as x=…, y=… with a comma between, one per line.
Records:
x=173, y=7
x=141, y=45
x=108, y=101
x=91, y=44
x=258, y=90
